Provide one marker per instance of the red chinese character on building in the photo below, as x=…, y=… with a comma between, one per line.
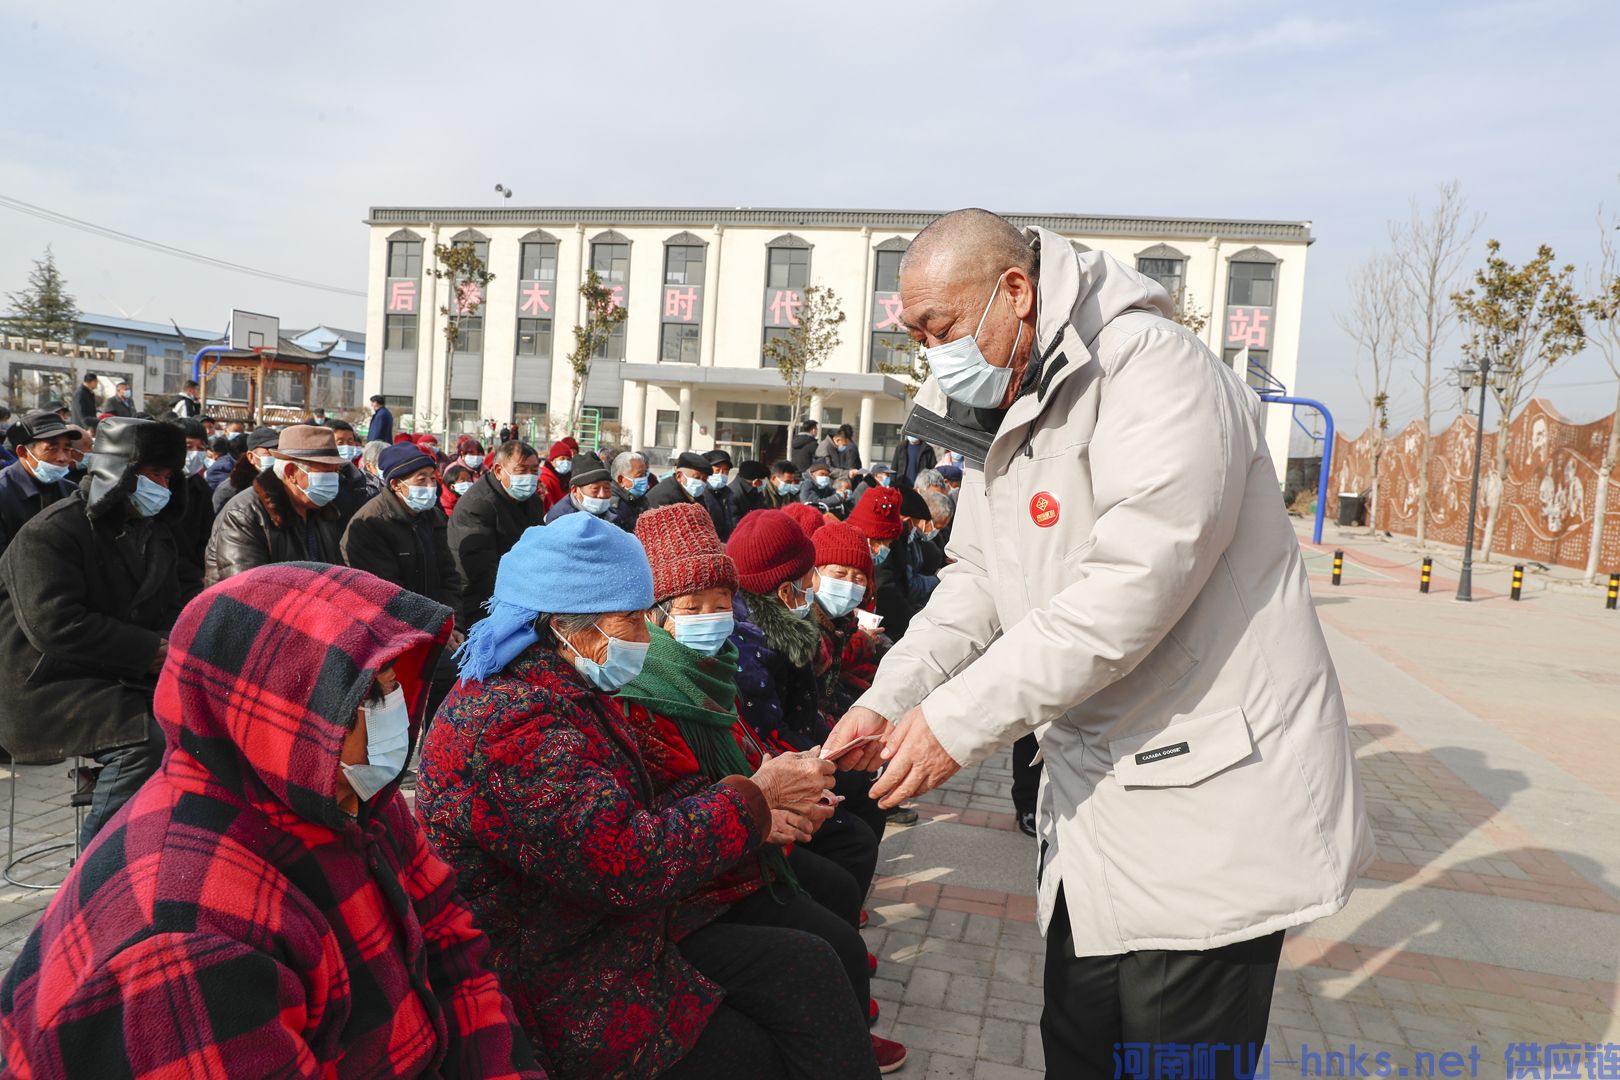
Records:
x=785, y=307
x=890, y=302
x=468, y=297
x=402, y=297
x=1248, y=327
x=536, y=299
x=680, y=304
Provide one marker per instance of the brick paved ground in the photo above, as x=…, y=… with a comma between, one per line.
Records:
x=1487, y=736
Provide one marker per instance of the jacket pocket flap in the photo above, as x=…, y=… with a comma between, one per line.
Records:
x=1185, y=753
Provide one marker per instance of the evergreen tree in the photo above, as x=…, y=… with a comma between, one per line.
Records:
x=45, y=310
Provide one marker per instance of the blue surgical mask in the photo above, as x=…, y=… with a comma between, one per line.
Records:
x=322, y=487
x=350, y=453
x=787, y=487
x=149, y=498
x=883, y=479
x=838, y=597
x=418, y=499
x=638, y=486
x=472, y=461
x=822, y=480
x=802, y=611
x=266, y=462
x=879, y=555
x=47, y=472
x=523, y=486
x=594, y=506
x=563, y=465
x=462, y=487
x=706, y=634
x=388, y=743
x=694, y=485
x=622, y=664
x=196, y=461
x=963, y=372
x=717, y=481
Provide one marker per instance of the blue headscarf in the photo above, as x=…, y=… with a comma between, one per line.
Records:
x=578, y=565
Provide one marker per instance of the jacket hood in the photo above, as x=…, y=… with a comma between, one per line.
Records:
x=266, y=671
x=122, y=444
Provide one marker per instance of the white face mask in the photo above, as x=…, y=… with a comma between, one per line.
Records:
x=963, y=372
x=388, y=742
x=196, y=461
x=594, y=506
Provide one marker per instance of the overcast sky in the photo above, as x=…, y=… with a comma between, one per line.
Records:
x=261, y=133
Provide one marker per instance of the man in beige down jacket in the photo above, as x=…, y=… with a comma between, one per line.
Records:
x=1127, y=586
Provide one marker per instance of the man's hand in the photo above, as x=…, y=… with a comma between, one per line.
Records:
x=162, y=655
x=856, y=723
x=916, y=762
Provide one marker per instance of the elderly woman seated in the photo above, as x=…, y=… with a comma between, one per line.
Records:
x=683, y=705
x=533, y=787
x=265, y=905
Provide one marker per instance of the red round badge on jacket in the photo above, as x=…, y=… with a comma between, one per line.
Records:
x=1044, y=509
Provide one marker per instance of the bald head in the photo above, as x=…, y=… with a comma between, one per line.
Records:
x=966, y=247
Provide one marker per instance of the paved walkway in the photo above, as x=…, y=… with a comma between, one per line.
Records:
x=1488, y=736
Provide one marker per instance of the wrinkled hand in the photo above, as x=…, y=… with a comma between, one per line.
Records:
x=916, y=762
x=162, y=655
x=794, y=781
x=856, y=723
x=457, y=637
x=789, y=827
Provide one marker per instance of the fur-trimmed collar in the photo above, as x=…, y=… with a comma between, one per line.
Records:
x=795, y=638
x=272, y=493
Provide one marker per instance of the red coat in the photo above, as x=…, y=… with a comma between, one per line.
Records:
x=553, y=485
x=230, y=920
x=676, y=775
x=533, y=788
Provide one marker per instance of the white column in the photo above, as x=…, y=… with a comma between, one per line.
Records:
x=683, y=422
x=864, y=432
x=815, y=413
x=635, y=412
x=1217, y=304
x=711, y=296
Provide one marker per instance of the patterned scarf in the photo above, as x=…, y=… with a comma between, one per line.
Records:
x=699, y=693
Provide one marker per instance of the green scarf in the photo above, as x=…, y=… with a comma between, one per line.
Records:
x=699, y=693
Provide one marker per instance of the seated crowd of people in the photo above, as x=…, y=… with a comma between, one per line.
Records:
x=627, y=854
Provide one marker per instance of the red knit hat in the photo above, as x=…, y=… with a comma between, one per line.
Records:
x=684, y=550
x=877, y=515
x=560, y=449
x=768, y=549
x=843, y=545
x=805, y=517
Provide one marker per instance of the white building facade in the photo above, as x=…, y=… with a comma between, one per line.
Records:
x=705, y=288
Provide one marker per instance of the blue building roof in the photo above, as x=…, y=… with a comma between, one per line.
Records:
x=136, y=326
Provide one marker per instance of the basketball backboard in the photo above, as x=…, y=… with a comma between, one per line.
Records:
x=253, y=331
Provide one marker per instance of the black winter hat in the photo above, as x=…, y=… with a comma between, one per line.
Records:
x=123, y=443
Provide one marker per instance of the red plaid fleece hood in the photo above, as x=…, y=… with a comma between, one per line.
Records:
x=231, y=920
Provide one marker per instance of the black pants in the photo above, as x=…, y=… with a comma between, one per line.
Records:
x=123, y=771
x=1026, y=776
x=848, y=841
x=856, y=788
x=788, y=1014
x=829, y=907
x=1142, y=1001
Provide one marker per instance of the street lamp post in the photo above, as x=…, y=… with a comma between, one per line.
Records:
x=1468, y=377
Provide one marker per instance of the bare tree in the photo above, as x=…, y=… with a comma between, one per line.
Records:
x=1377, y=322
x=603, y=316
x=805, y=347
x=1523, y=320
x=1429, y=248
x=1602, y=310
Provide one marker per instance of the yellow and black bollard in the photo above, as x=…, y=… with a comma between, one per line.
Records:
x=1428, y=571
x=1518, y=582
x=1338, y=567
x=1614, y=592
